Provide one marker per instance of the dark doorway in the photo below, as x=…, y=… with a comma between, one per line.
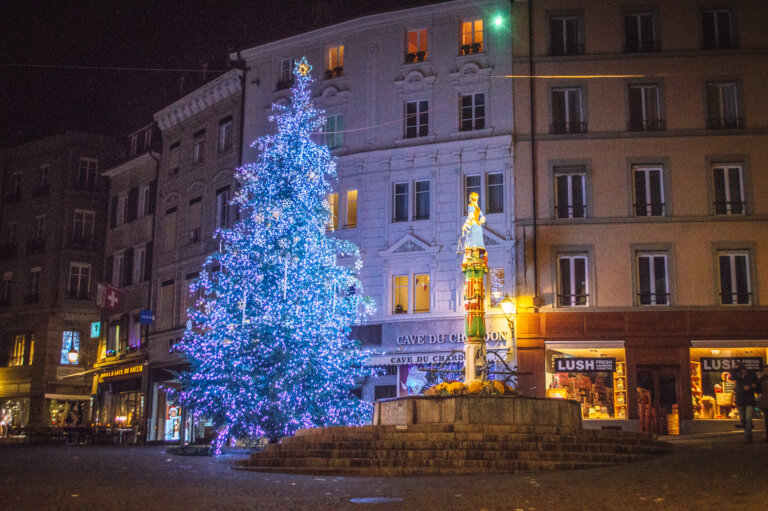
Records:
x=657, y=389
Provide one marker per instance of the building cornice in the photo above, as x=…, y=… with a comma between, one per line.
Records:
x=213, y=92
x=144, y=158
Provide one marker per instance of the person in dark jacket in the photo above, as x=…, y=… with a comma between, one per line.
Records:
x=745, y=386
x=763, y=391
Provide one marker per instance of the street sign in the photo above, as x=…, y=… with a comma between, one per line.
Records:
x=95, y=329
x=146, y=317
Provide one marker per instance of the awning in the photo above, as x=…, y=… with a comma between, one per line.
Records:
x=422, y=357
x=106, y=369
x=68, y=397
x=581, y=345
x=82, y=373
x=752, y=343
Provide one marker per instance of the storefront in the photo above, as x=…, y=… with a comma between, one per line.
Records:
x=119, y=398
x=168, y=419
x=711, y=363
x=14, y=415
x=594, y=374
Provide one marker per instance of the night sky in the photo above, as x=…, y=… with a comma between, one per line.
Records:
x=58, y=59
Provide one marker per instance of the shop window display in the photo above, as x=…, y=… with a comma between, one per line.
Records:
x=711, y=383
x=595, y=378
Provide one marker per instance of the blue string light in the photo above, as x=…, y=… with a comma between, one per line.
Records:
x=268, y=338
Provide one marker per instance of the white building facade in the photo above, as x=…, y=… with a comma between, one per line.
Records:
x=419, y=108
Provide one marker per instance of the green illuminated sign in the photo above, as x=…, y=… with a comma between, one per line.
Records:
x=95, y=329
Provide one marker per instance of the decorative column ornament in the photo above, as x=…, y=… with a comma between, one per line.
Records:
x=474, y=266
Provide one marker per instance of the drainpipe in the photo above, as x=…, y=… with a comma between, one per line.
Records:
x=532, y=102
x=244, y=82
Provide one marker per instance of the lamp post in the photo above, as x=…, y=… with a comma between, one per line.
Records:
x=509, y=308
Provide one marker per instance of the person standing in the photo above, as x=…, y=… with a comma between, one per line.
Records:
x=744, y=392
x=762, y=389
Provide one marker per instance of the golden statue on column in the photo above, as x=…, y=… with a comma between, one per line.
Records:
x=474, y=266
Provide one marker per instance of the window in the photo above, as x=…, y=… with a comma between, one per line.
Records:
x=70, y=340
x=335, y=61
x=16, y=183
x=717, y=30
x=723, y=106
x=649, y=191
x=198, y=147
x=645, y=108
x=416, y=118
x=400, y=294
x=384, y=391
x=144, y=201
x=139, y=263
x=472, y=111
x=573, y=290
x=165, y=319
x=34, y=283
x=132, y=205
x=19, y=345
x=222, y=207
x=735, y=285
x=170, y=229
x=118, y=269
x=194, y=219
x=286, y=73
x=225, y=134
x=40, y=227
x=471, y=37
x=729, y=189
x=351, y=209
x=417, y=46
x=79, y=281
x=566, y=111
x=564, y=36
x=82, y=226
x=174, y=158
x=652, y=279
x=86, y=173
x=639, y=33
x=421, y=200
x=495, y=185
x=570, y=196
x=496, y=286
x=11, y=230
x=334, y=127
x=44, y=175
x=400, y=202
x=421, y=293
x=122, y=209
x=333, y=206
x=472, y=184
x=134, y=145
x=5, y=291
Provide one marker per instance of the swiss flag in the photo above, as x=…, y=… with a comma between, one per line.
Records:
x=108, y=297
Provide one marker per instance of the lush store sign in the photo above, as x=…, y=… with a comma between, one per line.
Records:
x=717, y=364
x=585, y=365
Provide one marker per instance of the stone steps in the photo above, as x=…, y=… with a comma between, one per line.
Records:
x=450, y=449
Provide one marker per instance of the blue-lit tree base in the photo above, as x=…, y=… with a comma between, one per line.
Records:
x=268, y=338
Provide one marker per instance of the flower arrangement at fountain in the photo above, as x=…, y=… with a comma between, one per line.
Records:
x=476, y=388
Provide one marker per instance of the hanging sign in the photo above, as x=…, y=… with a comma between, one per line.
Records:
x=717, y=364
x=146, y=317
x=585, y=365
x=95, y=329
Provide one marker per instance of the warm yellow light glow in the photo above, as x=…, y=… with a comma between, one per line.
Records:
x=72, y=356
x=508, y=306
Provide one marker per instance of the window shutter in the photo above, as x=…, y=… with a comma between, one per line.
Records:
x=128, y=267
x=148, y=262
x=109, y=269
x=133, y=204
x=152, y=196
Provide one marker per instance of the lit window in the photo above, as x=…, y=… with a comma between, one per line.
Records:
x=333, y=206
x=336, y=60
x=735, y=285
x=17, y=357
x=496, y=286
x=471, y=37
x=421, y=293
x=400, y=294
x=729, y=189
x=472, y=111
x=70, y=340
x=573, y=290
x=652, y=281
x=351, y=209
x=417, y=45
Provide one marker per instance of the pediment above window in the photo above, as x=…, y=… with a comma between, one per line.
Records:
x=332, y=96
x=410, y=244
x=470, y=73
x=415, y=81
x=491, y=239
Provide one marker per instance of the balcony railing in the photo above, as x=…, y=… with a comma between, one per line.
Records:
x=33, y=298
x=8, y=251
x=399, y=309
x=284, y=84
x=730, y=208
x=78, y=294
x=652, y=209
x=573, y=300
x=571, y=127
x=336, y=72
x=743, y=298
x=653, y=298
x=720, y=44
x=469, y=49
x=80, y=240
x=565, y=49
x=641, y=46
x=418, y=56
x=35, y=246
x=725, y=123
x=566, y=211
x=646, y=125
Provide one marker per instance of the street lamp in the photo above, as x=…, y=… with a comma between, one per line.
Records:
x=509, y=308
x=72, y=355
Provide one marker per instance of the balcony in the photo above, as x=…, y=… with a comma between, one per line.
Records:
x=283, y=84
x=646, y=125
x=419, y=56
x=13, y=197
x=725, y=123
x=35, y=246
x=7, y=251
x=336, y=72
x=641, y=46
x=567, y=128
x=78, y=294
x=40, y=191
x=80, y=240
x=562, y=50
x=470, y=49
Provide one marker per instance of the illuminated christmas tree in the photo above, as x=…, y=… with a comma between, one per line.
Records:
x=268, y=340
